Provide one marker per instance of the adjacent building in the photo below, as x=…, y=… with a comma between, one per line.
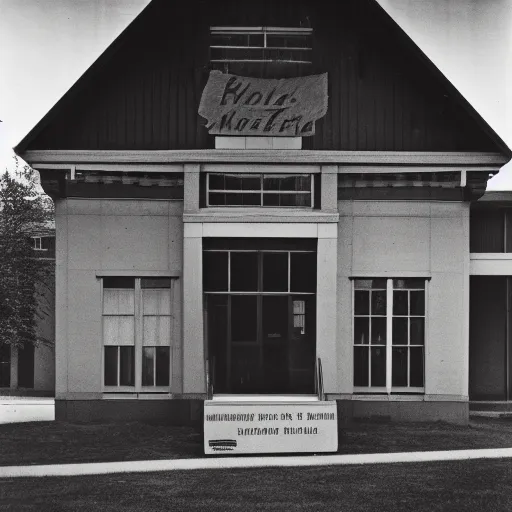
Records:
x=249, y=196
x=30, y=370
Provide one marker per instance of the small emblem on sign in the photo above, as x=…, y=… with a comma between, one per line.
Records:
x=222, y=445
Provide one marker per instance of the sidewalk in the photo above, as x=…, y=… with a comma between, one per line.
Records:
x=103, y=468
x=16, y=409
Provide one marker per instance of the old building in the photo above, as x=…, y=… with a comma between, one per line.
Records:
x=313, y=226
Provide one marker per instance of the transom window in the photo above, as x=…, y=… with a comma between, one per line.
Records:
x=389, y=335
x=242, y=45
x=137, y=326
x=248, y=271
x=265, y=190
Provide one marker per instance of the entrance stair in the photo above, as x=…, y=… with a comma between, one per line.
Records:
x=490, y=409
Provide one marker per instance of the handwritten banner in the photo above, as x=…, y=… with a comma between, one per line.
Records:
x=271, y=427
x=238, y=105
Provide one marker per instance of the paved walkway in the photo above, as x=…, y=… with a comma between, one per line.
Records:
x=103, y=468
x=15, y=409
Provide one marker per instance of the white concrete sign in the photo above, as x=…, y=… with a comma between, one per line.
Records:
x=271, y=427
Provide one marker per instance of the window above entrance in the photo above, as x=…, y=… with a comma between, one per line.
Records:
x=263, y=190
x=239, y=49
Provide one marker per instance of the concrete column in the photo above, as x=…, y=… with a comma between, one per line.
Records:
x=61, y=299
x=191, y=187
x=329, y=189
x=193, y=334
x=465, y=307
x=326, y=300
x=14, y=367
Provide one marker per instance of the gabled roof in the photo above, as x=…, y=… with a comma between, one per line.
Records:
x=134, y=31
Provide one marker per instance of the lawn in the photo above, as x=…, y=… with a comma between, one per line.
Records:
x=442, y=486
x=61, y=442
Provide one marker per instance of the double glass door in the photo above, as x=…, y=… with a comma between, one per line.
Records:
x=261, y=340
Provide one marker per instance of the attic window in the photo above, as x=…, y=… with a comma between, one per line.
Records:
x=259, y=45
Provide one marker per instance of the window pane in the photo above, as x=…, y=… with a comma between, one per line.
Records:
x=275, y=318
x=379, y=302
x=400, y=303
x=163, y=362
x=378, y=366
x=294, y=199
x=217, y=199
x=361, y=366
x=156, y=302
x=127, y=362
x=148, y=359
x=415, y=284
x=417, y=303
x=118, y=282
x=303, y=272
x=399, y=365
x=417, y=372
x=251, y=182
x=216, y=182
x=110, y=375
x=271, y=200
x=251, y=199
x=233, y=182
x=118, y=330
x=244, y=271
x=243, y=318
x=378, y=331
x=287, y=183
x=400, y=331
x=156, y=331
x=156, y=282
x=417, y=331
x=366, y=284
x=361, y=302
x=361, y=331
x=234, y=199
x=215, y=271
x=118, y=302
x=275, y=272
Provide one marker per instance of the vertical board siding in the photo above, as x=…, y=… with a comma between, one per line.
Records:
x=487, y=231
x=381, y=96
x=487, y=338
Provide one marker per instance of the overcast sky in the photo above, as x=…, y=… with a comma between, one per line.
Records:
x=45, y=45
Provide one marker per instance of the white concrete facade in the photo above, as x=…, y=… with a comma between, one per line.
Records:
x=356, y=239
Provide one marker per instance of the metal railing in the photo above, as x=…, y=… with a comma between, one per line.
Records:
x=319, y=380
x=209, y=371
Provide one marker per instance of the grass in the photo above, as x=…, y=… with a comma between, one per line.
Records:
x=441, y=486
x=61, y=442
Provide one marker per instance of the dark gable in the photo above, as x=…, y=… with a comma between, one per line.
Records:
x=144, y=93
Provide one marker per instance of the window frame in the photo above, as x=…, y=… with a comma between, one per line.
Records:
x=139, y=340
x=261, y=191
x=389, y=388
x=38, y=243
x=264, y=48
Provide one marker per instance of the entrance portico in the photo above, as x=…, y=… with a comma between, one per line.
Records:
x=271, y=310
